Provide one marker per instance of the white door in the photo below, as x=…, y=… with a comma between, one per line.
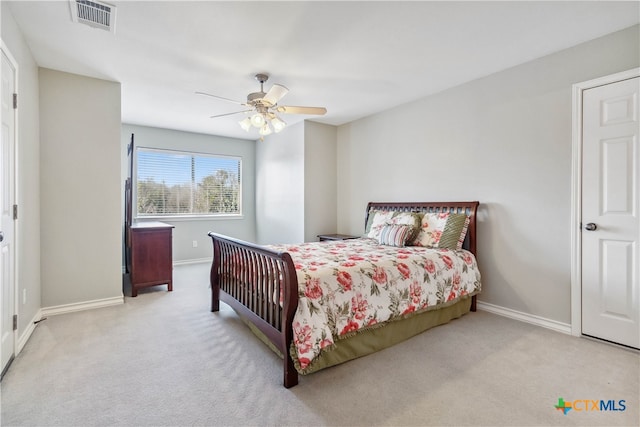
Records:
x=611, y=213
x=7, y=342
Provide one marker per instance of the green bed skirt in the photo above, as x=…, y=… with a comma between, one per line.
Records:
x=369, y=341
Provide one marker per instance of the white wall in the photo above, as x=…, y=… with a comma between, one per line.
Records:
x=280, y=186
x=80, y=203
x=28, y=174
x=504, y=140
x=296, y=184
x=186, y=231
x=320, y=181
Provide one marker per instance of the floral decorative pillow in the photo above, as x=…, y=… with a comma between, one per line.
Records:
x=409, y=218
x=377, y=220
x=442, y=230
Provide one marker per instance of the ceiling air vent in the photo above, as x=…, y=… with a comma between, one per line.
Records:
x=93, y=13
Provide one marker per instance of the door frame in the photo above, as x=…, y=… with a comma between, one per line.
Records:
x=576, y=190
x=14, y=251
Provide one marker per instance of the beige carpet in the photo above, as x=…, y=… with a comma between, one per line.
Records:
x=164, y=359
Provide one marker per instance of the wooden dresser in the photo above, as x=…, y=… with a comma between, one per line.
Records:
x=151, y=260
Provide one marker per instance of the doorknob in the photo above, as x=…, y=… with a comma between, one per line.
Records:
x=1, y=236
x=590, y=227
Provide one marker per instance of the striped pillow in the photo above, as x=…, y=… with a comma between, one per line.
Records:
x=455, y=230
x=395, y=234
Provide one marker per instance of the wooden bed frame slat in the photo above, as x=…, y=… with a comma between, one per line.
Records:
x=252, y=278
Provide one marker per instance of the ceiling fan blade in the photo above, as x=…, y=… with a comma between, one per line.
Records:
x=221, y=97
x=229, y=114
x=275, y=94
x=319, y=111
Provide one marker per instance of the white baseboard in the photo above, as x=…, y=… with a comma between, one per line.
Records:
x=61, y=309
x=26, y=334
x=192, y=261
x=80, y=306
x=565, y=328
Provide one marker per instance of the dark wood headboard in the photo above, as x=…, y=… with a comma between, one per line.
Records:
x=468, y=208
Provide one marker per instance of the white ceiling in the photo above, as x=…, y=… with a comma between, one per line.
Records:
x=354, y=58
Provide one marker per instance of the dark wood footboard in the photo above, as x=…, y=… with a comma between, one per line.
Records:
x=260, y=285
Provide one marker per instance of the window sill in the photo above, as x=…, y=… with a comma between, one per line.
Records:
x=178, y=218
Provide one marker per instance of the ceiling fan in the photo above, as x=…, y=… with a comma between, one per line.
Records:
x=264, y=108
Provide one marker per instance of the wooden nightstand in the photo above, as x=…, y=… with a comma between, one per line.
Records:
x=325, y=237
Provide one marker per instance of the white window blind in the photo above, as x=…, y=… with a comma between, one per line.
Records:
x=177, y=183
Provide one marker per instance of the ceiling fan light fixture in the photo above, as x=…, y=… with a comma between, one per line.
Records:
x=258, y=120
x=245, y=124
x=263, y=107
x=277, y=124
x=265, y=129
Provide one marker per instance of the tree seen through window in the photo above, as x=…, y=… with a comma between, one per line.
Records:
x=171, y=183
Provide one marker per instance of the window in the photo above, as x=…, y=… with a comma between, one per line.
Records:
x=179, y=183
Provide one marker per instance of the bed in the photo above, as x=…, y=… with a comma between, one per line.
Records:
x=318, y=304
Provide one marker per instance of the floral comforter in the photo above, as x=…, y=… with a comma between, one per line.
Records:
x=347, y=286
